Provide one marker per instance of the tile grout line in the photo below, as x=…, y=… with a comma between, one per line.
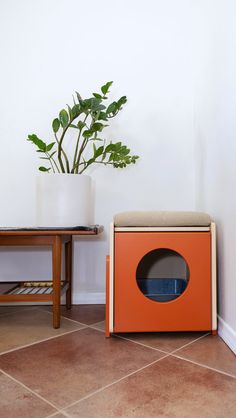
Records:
x=138, y=343
x=49, y=338
x=142, y=368
x=41, y=341
x=96, y=329
x=189, y=343
x=148, y=346
x=30, y=390
x=74, y=320
x=64, y=413
x=158, y=349
x=95, y=323
x=115, y=335
x=69, y=319
x=113, y=383
x=17, y=311
x=50, y=313
x=204, y=366
x=92, y=326
x=172, y=353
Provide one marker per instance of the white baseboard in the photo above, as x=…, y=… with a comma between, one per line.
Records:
x=88, y=298
x=227, y=334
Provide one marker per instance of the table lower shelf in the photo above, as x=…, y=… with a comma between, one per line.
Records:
x=28, y=291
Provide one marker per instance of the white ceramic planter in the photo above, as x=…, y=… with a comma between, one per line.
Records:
x=63, y=200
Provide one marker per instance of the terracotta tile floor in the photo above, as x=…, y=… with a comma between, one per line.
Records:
x=76, y=372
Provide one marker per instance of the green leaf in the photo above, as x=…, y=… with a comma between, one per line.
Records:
x=106, y=87
x=89, y=162
x=78, y=96
x=81, y=125
x=111, y=108
x=37, y=141
x=117, y=146
x=87, y=133
x=124, y=150
x=70, y=112
x=50, y=146
x=121, y=101
x=99, y=107
x=110, y=147
x=93, y=104
x=98, y=96
x=97, y=127
x=56, y=125
x=73, y=126
x=44, y=169
x=114, y=107
x=86, y=104
x=99, y=152
x=102, y=116
x=76, y=110
x=64, y=118
x=96, y=105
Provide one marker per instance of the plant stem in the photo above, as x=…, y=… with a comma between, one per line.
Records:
x=61, y=151
x=59, y=159
x=49, y=158
x=58, y=170
x=77, y=146
x=82, y=148
x=95, y=162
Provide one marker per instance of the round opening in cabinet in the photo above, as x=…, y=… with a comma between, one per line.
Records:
x=162, y=275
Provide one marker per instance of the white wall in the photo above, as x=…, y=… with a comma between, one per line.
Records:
x=52, y=48
x=215, y=142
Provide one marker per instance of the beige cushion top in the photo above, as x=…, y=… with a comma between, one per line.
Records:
x=162, y=218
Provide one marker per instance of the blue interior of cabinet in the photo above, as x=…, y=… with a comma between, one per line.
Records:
x=162, y=290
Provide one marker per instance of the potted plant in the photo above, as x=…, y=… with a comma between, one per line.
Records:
x=63, y=192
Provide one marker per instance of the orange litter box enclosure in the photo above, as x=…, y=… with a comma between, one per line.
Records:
x=161, y=273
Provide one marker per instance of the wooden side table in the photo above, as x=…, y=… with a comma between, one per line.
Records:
x=55, y=238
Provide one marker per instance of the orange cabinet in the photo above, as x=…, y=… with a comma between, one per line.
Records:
x=161, y=281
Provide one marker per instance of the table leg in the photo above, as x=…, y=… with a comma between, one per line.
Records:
x=56, y=275
x=68, y=266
